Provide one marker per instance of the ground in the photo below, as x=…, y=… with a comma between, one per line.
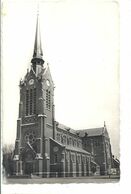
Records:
x=96, y=179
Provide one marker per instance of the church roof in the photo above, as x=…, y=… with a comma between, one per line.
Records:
x=81, y=133
x=76, y=149
x=28, y=147
x=92, y=132
x=57, y=142
x=65, y=128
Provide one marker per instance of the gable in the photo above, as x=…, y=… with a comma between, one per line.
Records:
x=47, y=76
x=28, y=152
x=56, y=150
x=56, y=143
x=30, y=75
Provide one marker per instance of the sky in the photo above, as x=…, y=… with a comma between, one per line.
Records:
x=80, y=41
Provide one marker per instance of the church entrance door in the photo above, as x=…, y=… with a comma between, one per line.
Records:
x=28, y=168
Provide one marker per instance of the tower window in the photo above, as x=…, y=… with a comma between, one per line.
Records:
x=31, y=101
x=34, y=100
x=48, y=99
x=27, y=101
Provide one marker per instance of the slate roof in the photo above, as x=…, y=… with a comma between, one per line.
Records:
x=64, y=127
x=57, y=142
x=76, y=149
x=92, y=132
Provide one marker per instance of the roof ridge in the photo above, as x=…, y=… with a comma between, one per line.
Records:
x=90, y=128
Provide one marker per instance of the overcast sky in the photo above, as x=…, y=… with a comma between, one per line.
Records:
x=80, y=41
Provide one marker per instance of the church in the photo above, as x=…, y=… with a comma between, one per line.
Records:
x=46, y=148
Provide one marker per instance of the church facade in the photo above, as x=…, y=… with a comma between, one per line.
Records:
x=43, y=146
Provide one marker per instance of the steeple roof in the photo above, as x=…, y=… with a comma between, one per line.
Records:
x=37, y=53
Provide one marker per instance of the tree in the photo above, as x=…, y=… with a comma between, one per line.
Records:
x=8, y=159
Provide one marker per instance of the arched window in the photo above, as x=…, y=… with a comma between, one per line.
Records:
x=61, y=138
x=79, y=144
x=79, y=159
x=48, y=99
x=64, y=139
x=31, y=94
x=67, y=155
x=58, y=137
x=55, y=158
x=75, y=143
x=73, y=157
x=84, y=159
x=70, y=141
x=31, y=101
x=27, y=102
x=34, y=100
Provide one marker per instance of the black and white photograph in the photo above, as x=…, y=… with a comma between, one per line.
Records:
x=60, y=92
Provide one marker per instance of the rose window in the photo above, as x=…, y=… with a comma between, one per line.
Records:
x=30, y=137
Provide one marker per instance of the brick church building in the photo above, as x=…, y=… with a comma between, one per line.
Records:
x=43, y=146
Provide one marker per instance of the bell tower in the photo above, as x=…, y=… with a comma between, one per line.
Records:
x=36, y=123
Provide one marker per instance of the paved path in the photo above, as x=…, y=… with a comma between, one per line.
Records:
x=98, y=179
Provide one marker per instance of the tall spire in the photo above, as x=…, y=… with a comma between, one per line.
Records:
x=37, y=53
